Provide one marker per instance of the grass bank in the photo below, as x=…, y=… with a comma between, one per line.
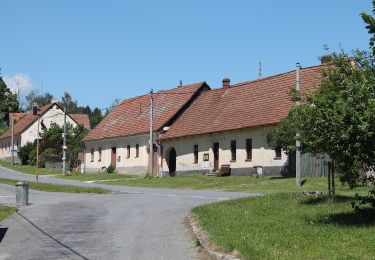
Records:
x=28, y=169
x=57, y=188
x=237, y=183
x=6, y=212
x=290, y=226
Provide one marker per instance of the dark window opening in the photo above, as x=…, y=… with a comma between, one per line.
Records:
x=249, y=149
x=136, y=150
x=278, y=153
x=128, y=151
x=233, y=149
x=196, y=153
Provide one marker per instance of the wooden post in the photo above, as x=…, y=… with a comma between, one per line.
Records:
x=329, y=178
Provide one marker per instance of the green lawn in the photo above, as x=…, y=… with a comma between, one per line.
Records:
x=6, y=212
x=28, y=169
x=237, y=183
x=290, y=226
x=57, y=188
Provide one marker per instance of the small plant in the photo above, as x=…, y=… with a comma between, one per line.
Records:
x=368, y=200
x=197, y=243
x=148, y=175
x=111, y=168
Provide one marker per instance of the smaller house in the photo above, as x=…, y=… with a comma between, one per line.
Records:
x=26, y=126
x=122, y=138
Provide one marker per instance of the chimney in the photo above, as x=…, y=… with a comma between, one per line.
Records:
x=226, y=83
x=180, y=83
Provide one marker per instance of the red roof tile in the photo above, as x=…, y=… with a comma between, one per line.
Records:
x=131, y=117
x=81, y=119
x=249, y=104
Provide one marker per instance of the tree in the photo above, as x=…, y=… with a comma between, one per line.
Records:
x=95, y=117
x=39, y=99
x=71, y=105
x=8, y=103
x=370, y=26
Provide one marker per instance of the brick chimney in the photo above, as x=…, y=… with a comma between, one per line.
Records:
x=226, y=83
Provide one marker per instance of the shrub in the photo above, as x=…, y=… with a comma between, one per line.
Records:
x=111, y=169
x=24, y=153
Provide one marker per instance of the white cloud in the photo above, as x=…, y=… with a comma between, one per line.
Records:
x=20, y=83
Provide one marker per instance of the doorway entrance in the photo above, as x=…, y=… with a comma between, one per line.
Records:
x=216, y=156
x=172, y=162
x=113, y=156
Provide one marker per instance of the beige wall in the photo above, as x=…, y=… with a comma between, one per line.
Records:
x=132, y=165
x=261, y=154
x=5, y=146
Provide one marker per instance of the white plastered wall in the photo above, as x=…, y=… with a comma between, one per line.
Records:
x=262, y=155
x=124, y=162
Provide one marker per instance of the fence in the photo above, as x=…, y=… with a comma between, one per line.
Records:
x=314, y=165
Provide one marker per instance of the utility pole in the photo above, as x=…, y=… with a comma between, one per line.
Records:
x=12, y=138
x=298, y=143
x=151, y=153
x=64, y=143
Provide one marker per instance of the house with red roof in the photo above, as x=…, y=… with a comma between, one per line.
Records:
x=122, y=138
x=26, y=126
x=226, y=126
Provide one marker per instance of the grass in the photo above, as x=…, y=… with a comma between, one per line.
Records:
x=290, y=226
x=28, y=168
x=6, y=212
x=57, y=188
x=233, y=183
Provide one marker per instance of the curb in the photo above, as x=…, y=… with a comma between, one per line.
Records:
x=198, y=233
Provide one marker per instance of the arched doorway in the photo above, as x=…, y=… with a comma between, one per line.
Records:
x=172, y=162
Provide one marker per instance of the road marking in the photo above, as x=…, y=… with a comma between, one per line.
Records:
x=4, y=196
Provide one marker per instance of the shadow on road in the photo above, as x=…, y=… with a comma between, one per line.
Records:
x=51, y=237
x=2, y=233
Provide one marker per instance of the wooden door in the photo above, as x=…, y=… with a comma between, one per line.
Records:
x=155, y=161
x=113, y=156
x=216, y=156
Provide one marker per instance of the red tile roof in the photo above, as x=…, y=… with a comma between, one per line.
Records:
x=131, y=117
x=24, y=120
x=81, y=119
x=249, y=104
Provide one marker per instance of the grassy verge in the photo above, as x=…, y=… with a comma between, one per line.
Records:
x=290, y=226
x=28, y=169
x=6, y=212
x=238, y=183
x=58, y=188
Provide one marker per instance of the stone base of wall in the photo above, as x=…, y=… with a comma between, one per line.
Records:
x=9, y=159
x=137, y=170
x=273, y=171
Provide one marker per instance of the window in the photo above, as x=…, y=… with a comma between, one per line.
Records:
x=100, y=155
x=195, y=153
x=128, y=151
x=137, y=150
x=233, y=149
x=278, y=153
x=249, y=149
x=206, y=157
x=17, y=143
x=92, y=154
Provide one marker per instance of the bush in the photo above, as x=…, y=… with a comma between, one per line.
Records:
x=24, y=153
x=111, y=169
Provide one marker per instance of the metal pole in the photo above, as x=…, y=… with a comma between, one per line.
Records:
x=151, y=133
x=12, y=138
x=298, y=143
x=37, y=152
x=64, y=144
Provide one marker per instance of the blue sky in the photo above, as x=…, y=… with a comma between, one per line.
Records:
x=102, y=50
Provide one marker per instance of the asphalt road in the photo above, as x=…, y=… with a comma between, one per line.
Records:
x=131, y=223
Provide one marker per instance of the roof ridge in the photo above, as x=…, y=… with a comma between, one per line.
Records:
x=273, y=76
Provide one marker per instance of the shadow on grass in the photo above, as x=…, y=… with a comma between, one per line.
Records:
x=326, y=198
x=363, y=217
